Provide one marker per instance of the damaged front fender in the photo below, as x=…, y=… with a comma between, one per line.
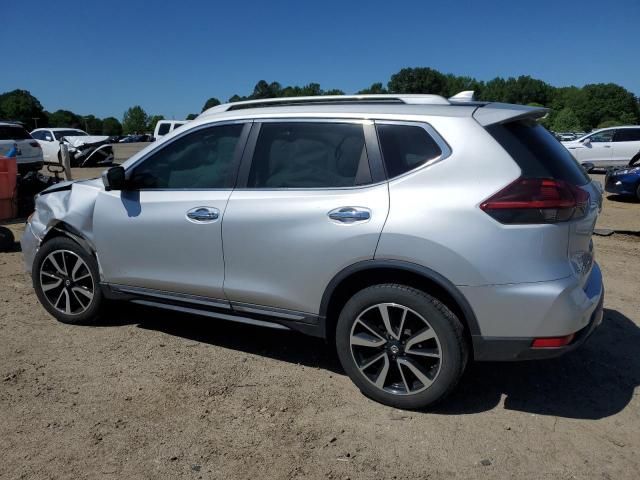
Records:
x=66, y=208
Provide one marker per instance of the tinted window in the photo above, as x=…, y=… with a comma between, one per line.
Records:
x=405, y=147
x=537, y=152
x=602, y=136
x=627, y=135
x=309, y=155
x=38, y=135
x=202, y=159
x=13, y=132
x=164, y=128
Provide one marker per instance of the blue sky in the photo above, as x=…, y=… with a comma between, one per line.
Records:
x=103, y=57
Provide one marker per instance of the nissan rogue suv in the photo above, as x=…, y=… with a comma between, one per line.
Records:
x=414, y=232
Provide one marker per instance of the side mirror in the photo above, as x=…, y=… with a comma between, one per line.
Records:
x=48, y=138
x=113, y=178
x=587, y=141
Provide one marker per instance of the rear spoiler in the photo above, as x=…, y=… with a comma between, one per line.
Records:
x=493, y=113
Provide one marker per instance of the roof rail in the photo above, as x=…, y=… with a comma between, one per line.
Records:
x=408, y=99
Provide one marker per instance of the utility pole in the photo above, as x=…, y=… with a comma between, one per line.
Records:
x=35, y=121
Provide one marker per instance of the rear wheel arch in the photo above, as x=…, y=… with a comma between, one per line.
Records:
x=371, y=272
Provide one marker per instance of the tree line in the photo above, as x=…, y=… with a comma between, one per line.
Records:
x=572, y=108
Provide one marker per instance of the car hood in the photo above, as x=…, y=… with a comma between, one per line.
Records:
x=78, y=141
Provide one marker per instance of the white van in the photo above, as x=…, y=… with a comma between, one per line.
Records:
x=165, y=126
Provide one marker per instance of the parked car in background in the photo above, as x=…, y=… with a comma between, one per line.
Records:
x=136, y=138
x=623, y=181
x=566, y=137
x=14, y=139
x=608, y=147
x=166, y=126
x=84, y=149
x=407, y=229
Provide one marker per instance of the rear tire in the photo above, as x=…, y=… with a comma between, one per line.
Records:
x=67, y=283
x=635, y=160
x=401, y=346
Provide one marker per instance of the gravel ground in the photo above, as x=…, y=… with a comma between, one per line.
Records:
x=151, y=394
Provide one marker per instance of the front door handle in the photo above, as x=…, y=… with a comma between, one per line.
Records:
x=350, y=214
x=203, y=214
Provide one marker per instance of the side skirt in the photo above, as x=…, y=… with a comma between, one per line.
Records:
x=258, y=315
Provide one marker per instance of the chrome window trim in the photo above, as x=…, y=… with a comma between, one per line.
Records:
x=433, y=133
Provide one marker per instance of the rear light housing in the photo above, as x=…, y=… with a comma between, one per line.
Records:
x=537, y=200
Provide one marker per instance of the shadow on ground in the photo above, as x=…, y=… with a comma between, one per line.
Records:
x=595, y=381
x=623, y=198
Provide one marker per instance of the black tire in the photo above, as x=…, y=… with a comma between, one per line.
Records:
x=634, y=161
x=449, y=342
x=6, y=239
x=65, y=251
x=588, y=167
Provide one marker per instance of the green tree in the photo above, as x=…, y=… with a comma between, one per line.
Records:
x=135, y=120
x=375, y=88
x=566, y=121
x=418, y=80
x=65, y=119
x=111, y=126
x=212, y=102
x=191, y=116
x=92, y=124
x=456, y=84
x=609, y=123
x=20, y=105
x=151, y=125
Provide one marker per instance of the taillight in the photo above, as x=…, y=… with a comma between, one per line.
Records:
x=537, y=200
x=35, y=144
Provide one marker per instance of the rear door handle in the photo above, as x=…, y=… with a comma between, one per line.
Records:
x=203, y=214
x=350, y=214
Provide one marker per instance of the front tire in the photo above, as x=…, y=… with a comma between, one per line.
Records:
x=401, y=346
x=67, y=282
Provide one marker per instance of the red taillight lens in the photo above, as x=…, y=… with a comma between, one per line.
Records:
x=552, y=342
x=34, y=144
x=537, y=200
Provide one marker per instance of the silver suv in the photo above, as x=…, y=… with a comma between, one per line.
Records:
x=413, y=231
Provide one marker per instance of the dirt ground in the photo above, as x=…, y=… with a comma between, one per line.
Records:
x=153, y=394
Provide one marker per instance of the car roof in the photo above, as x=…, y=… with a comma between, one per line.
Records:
x=11, y=124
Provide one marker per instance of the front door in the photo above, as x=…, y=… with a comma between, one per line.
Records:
x=626, y=145
x=598, y=150
x=307, y=207
x=163, y=232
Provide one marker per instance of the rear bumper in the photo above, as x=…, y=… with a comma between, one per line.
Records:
x=587, y=316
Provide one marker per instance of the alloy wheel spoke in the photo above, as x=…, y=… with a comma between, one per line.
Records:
x=423, y=353
x=51, y=275
x=87, y=294
x=416, y=370
x=373, y=360
x=79, y=263
x=404, y=380
x=384, y=313
x=382, y=376
x=374, y=332
x=78, y=299
x=49, y=286
x=365, y=340
x=56, y=265
x=421, y=336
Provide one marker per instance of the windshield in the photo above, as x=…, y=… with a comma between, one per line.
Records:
x=69, y=133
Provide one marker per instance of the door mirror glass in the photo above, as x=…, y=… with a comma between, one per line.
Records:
x=113, y=178
x=48, y=138
x=587, y=141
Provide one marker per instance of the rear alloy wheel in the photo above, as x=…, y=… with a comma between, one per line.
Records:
x=65, y=278
x=401, y=346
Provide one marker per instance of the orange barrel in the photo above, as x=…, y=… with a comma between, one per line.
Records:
x=8, y=178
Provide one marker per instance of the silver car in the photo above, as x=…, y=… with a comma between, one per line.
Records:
x=415, y=232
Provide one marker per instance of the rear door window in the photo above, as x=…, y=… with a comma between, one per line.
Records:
x=537, y=152
x=627, y=135
x=309, y=155
x=405, y=147
x=13, y=132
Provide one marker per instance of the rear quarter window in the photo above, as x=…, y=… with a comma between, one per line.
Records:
x=537, y=152
x=11, y=132
x=405, y=147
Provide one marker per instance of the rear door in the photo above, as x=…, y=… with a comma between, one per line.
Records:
x=626, y=145
x=163, y=232
x=310, y=201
